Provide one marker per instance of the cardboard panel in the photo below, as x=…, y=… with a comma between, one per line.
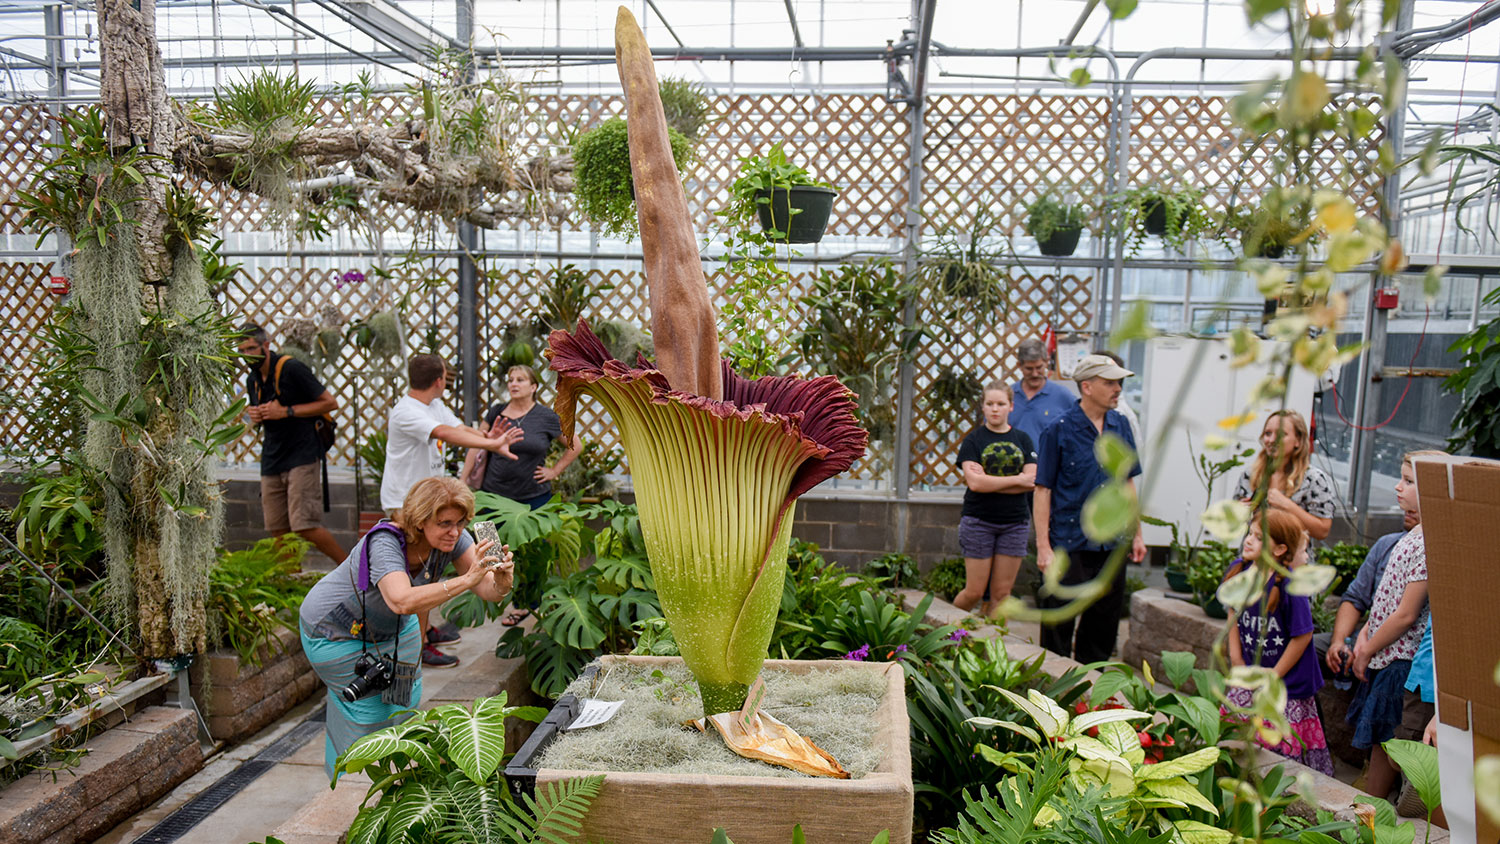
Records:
x=1452, y=710
x=1460, y=512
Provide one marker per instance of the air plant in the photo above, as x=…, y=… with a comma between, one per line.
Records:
x=718, y=460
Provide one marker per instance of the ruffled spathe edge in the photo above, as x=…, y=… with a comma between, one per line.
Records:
x=819, y=411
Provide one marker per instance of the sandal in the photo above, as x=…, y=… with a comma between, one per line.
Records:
x=515, y=617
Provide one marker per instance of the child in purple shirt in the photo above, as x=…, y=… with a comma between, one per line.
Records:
x=1276, y=632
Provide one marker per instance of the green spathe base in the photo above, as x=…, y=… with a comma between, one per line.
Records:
x=722, y=697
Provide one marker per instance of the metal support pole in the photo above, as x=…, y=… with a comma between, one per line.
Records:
x=57, y=91
x=1372, y=363
x=468, y=273
x=906, y=380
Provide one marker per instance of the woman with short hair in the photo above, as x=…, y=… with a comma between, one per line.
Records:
x=364, y=612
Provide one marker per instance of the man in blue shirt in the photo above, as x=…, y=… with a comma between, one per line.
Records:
x=1067, y=473
x=1038, y=401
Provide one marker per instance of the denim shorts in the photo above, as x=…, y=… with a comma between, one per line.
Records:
x=981, y=540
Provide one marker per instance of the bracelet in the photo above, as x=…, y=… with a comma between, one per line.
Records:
x=445, y=588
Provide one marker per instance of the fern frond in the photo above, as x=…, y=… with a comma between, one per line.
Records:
x=558, y=813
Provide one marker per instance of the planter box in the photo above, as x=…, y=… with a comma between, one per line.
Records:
x=127, y=769
x=239, y=699
x=641, y=808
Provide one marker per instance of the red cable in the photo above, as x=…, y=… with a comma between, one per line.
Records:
x=1437, y=257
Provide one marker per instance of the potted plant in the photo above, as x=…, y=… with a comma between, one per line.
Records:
x=1178, y=555
x=1055, y=224
x=1205, y=573
x=1176, y=216
x=603, y=187
x=963, y=277
x=1263, y=233
x=792, y=206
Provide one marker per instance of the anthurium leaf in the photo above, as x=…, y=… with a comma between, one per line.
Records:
x=1193, y=832
x=1009, y=725
x=1107, y=685
x=1192, y=763
x=1122, y=738
x=1083, y=722
x=1050, y=725
x=1178, y=788
x=1404, y=834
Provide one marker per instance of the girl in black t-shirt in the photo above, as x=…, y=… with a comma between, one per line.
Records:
x=999, y=467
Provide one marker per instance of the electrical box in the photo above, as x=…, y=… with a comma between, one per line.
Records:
x=1191, y=378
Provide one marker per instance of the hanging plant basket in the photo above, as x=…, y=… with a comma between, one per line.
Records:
x=813, y=204
x=1062, y=243
x=1154, y=217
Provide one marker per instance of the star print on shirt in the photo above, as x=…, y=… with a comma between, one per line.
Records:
x=1278, y=641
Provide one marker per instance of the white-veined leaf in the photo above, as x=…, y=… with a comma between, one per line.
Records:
x=981, y=721
x=1082, y=723
x=1310, y=579
x=1240, y=591
x=1049, y=725
x=1227, y=519
x=1193, y=832
x=1192, y=763
x=1123, y=740
x=1180, y=789
x=476, y=741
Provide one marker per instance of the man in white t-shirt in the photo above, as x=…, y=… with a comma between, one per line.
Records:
x=416, y=429
x=418, y=426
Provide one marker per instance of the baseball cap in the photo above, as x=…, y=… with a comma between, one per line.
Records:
x=1099, y=366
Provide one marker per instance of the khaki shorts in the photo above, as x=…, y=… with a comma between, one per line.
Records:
x=1414, y=717
x=292, y=500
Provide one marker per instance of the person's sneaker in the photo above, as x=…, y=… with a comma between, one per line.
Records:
x=1409, y=804
x=435, y=658
x=444, y=634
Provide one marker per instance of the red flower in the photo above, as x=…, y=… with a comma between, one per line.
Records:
x=1145, y=739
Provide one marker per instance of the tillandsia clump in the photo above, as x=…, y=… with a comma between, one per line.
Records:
x=718, y=460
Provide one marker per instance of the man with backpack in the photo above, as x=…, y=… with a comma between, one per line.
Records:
x=289, y=404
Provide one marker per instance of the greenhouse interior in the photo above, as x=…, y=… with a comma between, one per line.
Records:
x=391, y=393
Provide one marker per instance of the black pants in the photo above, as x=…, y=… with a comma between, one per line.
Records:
x=1099, y=625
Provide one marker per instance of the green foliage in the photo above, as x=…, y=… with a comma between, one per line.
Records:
x=1419, y=764
x=1346, y=558
x=855, y=332
x=947, y=578
x=1207, y=565
x=685, y=105
x=264, y=101
x=57, y=520
x=372, y=453
x=438, y=778
x=604, y=188
x=1187, y=220
x=1477, y=384
x=580, y=612
x=811, y=584
x=759, y=176
x=255, y=592
x=749, y=314
x=1047, y=214
x=877, y=629
x=86, y=189
x=564, y=295
x=963, y=280
x=941, y=702
x=1267, y=230
x=893, y=570
x=588, y=475
x=953, y=396
x=798, y=837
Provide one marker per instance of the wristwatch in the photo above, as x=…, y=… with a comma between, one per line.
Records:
x=291, y=410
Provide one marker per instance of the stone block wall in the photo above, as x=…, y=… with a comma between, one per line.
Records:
x=127, y=768
x=239, y=699
x=1159, y=623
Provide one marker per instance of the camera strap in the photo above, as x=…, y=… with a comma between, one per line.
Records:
x=362, y=583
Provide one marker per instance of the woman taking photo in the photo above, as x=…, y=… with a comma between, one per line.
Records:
x=1283, y=469
x=359, y=623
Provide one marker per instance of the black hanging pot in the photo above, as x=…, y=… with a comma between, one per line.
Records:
x=812, y=203
x=1061, y=243
x=1154, y=217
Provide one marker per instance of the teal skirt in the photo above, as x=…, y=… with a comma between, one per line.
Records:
x=334, y=660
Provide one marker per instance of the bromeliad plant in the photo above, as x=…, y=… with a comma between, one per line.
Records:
x=718, y=461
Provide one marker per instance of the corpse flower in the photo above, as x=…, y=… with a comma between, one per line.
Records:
x=715, y=482
x=718, y=461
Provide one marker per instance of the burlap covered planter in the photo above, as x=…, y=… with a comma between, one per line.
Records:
x=649, y=808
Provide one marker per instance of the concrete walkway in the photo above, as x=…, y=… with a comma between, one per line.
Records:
x=269, y=801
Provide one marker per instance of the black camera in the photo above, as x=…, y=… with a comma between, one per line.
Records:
x=373, y=673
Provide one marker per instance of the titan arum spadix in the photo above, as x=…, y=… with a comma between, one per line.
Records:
x=717, y=461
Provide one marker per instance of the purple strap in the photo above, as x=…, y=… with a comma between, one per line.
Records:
x=381, y=526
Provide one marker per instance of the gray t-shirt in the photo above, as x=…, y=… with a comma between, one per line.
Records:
x=332, y=607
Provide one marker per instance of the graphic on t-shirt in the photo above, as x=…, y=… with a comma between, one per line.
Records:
x=1002, y=458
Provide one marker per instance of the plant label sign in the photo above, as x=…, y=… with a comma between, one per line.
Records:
x=594, y=713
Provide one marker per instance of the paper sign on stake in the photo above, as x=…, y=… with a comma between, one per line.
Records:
x=753, y=698
x=594, y=713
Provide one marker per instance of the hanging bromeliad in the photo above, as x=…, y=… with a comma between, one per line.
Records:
x=718, y=461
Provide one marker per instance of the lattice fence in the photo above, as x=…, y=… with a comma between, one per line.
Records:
x=25, y=306
x=997, y=152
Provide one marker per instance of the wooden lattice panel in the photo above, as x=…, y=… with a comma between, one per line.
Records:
x=1000, y=152
x=1062, y=302
x=23, y=132
x=25, y=307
